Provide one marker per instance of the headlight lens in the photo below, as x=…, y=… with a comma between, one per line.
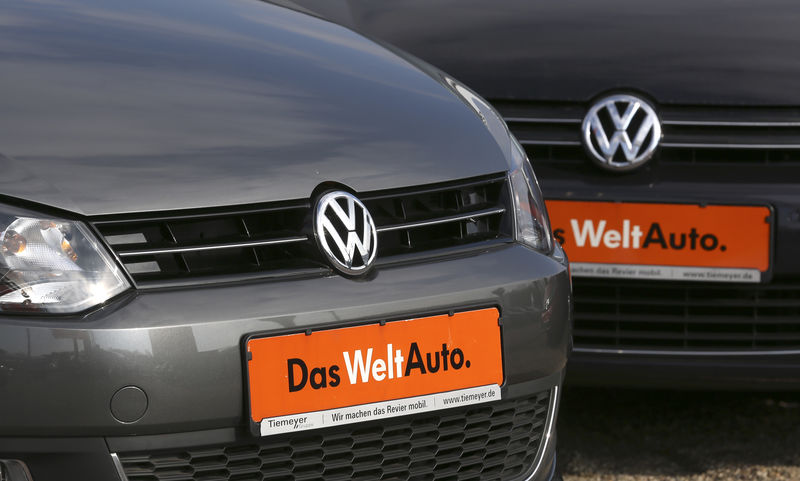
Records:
x=532, y=224
x=53, y=266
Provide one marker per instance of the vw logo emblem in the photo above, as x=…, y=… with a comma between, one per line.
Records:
x=345, y=232
x=621, y=132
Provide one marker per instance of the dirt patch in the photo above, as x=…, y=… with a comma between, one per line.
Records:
x=656, y=435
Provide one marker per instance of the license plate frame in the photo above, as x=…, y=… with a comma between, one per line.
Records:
x=273, y=408
x=692, y=226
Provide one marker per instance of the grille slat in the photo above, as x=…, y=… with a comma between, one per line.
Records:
x=498, y=440
x=550, y=131
x=276, y=241
x=646, y=301
x=443, y=220
x=657, y=318
x=649, y=314
x=699, y=336
x=211, y=247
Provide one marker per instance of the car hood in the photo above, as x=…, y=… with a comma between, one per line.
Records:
x=681, y=51
x=110, y=106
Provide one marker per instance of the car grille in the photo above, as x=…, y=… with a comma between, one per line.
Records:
x=493, y=441
x=621, y=314
x=276, y=240
x=551, y=132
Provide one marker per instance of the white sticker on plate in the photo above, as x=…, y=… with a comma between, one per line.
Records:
x=380, y=410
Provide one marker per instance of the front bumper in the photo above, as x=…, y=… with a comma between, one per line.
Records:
x=183, y=349
x=722, y=371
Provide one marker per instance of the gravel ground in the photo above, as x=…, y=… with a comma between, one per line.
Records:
x=656, y=436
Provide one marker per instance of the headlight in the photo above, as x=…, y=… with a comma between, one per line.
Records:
x=53, y=265
x=532, y=224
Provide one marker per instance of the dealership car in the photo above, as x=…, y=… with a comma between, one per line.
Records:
x=240, y=242
x=666, y=136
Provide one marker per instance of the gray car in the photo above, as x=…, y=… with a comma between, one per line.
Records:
x=239, y=242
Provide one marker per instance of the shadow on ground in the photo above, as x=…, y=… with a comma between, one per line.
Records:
x=606, y=434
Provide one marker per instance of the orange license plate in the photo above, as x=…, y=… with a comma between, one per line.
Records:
x=723, y=243
x=355, y=374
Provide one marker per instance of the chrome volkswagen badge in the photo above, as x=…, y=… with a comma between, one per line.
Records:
x=345, y=232
x=638, y=119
